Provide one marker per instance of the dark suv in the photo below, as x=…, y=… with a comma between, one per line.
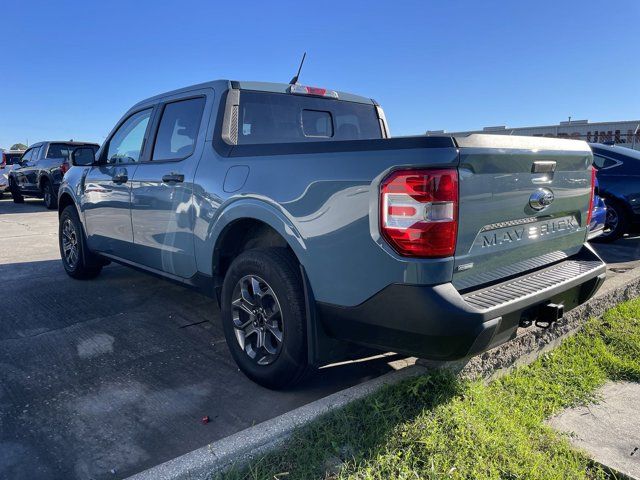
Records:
x=41, y=169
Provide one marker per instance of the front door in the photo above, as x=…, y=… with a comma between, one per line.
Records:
x=162, y=189
x=19, y=170
x=106, y=198
x=31, y=171
x=26, y=174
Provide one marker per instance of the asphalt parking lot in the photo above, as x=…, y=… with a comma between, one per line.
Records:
x=115, y=374
x=105, y=378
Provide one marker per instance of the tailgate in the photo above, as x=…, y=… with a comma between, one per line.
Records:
x=523, y=205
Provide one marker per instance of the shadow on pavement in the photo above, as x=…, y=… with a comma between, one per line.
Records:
x=116, y=374
x=624, y=251
x=30, y=205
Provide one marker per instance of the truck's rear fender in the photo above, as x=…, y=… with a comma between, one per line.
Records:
x=250, y=211
x=325, y=205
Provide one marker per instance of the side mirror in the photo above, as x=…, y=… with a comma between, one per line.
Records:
x=83, y=157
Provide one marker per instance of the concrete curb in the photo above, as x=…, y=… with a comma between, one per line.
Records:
x=243, y=446
x=252, y=442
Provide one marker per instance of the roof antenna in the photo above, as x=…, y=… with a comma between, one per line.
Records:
x=294, y=80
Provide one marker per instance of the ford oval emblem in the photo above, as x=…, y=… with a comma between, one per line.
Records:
x=541, y=199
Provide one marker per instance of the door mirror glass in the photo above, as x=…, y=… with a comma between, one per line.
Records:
x=83, y=156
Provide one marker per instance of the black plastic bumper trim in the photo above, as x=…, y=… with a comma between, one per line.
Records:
x=437, y=322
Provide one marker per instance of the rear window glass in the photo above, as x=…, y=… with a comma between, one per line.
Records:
x=63, y=150
x=285, y=118
x=317, y=124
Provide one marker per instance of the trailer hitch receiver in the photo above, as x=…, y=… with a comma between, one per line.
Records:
x=548, y=314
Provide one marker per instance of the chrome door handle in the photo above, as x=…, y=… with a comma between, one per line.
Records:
x=120, y=177
x=173, y=177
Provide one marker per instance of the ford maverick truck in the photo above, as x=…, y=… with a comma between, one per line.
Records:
x=315, y=230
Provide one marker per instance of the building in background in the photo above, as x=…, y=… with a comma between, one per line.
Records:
x=626, y=133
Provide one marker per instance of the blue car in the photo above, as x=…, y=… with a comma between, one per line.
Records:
x=618, y=175
x=598, y=214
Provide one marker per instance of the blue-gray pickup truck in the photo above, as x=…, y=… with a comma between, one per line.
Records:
x=316, y=231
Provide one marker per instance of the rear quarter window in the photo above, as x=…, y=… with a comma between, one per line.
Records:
x=286, y=118
x=603, y=162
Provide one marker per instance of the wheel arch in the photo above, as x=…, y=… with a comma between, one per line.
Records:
x=42, y=179
x=620, y=200
x=64, y=200
x=251, y=224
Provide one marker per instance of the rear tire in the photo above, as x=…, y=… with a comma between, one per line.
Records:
x=15, y=192
x=77, y=260
x=264, y=319
x=48, y=195
x=616, y=223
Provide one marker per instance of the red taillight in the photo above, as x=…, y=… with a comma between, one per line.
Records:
x=419, y=212
x=591, y=198
x=64, y=168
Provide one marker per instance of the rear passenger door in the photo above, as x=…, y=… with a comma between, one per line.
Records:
x=161, y=193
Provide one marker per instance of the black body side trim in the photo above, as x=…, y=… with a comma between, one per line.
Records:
x=200, y=282
x=398, y=143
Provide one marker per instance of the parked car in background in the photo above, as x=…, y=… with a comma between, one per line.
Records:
x=598, y=214
x=41, y=169
x=618, y=173
x=315, y=231
x=4, y=183
x=9, y=160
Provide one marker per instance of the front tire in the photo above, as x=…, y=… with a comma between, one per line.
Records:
x=49, y=197
x=263, y=317
x=77, y=260
x=15, y=192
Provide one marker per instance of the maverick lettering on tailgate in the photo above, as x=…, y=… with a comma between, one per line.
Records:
x=493, y=237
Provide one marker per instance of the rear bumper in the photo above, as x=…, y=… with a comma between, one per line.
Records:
x=439, y=322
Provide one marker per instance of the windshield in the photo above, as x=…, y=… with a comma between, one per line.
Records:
x=286, y=118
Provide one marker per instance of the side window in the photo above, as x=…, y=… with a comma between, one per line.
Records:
x=59, y=150
x=26, y=156
x=178, y=130
x=126, y=144
x=35, y=154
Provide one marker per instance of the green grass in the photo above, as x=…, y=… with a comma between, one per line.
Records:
x=435, y=426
